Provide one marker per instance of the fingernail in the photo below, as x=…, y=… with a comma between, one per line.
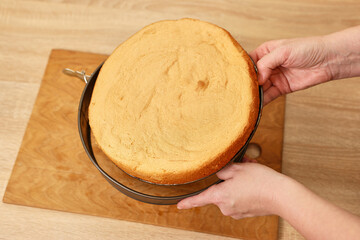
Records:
x=180, y=206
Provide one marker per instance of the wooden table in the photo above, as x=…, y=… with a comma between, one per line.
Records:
x=322, y=126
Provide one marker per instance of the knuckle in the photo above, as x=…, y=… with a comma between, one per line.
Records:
x=225, y=212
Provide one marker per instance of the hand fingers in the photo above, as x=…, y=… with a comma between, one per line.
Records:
x=270, y=62
x=270, y=94
x=264, y=49
x=227, y=172
x=202, y=199
x=254, y=56
x=266, y=85
x=259, y=52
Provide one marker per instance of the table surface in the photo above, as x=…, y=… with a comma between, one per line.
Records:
x=322, y=124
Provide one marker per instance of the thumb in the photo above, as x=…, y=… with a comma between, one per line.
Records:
x=202, y=199
x=254, y=56
x=270, y=62
x=228, y=172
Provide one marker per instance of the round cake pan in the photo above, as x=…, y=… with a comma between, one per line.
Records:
x=133, y=187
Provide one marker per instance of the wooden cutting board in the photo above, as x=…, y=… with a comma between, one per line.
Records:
x=52, y=170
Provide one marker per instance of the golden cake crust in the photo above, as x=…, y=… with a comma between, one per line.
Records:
x=158, y=146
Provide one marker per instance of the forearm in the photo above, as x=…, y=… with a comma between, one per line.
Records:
x=344, y=53
x=314, y=217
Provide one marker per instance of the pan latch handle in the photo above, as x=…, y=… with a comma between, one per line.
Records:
x=79, y=74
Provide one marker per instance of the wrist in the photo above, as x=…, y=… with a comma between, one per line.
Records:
x=277, y=200
x=343, y=53
x=282, y=196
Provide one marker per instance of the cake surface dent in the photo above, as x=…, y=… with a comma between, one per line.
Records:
x=175, y=102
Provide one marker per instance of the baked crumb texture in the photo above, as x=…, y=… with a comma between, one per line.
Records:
x=175, y=102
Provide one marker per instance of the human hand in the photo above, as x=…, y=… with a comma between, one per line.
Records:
x=249, y=189
x=289, y=65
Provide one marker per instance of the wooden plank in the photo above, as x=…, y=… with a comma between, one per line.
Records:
x=52, y=170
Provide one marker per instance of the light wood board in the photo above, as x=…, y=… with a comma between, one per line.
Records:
x=52, y=170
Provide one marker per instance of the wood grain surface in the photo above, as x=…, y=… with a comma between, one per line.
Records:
x=322, y=134
x=52, y=170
